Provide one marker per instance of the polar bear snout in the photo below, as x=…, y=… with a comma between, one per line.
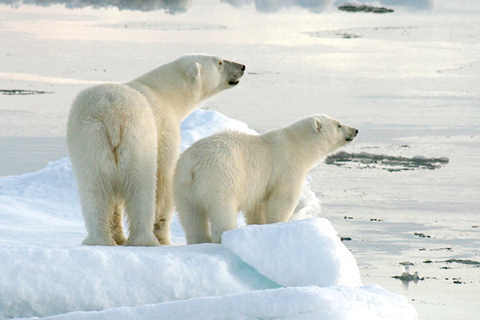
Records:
x=353, y=133
x=235, y=70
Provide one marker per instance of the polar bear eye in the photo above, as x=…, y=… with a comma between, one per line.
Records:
x=339, y=125
x=220, y=63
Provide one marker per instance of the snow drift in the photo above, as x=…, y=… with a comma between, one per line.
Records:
x=293, y=270
x=315, y=256
x=304, y=303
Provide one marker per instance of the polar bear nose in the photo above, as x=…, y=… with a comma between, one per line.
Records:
x=237, y=65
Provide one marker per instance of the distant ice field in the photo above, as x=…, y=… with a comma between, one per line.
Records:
x=408, y=80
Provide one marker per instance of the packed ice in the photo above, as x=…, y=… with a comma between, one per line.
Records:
x=293, y=270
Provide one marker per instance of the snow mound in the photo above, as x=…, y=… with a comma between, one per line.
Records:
x=41, y=207
x=308, y=205
x=43, y=281
x=46, y=272
x=299, y=253
x=302, y=303
x=203, y=123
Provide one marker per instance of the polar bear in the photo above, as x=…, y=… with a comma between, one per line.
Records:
x=260, y=175
x=124, y=140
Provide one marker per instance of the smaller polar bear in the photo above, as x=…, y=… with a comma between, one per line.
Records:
x=260, y=175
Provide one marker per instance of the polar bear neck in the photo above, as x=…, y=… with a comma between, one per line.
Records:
x=305, y=157
x=176, y=93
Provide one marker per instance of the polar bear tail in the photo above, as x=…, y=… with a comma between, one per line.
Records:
x=114, y=129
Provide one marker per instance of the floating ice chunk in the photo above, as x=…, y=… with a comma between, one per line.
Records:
x=296, y=253
x=419, y=157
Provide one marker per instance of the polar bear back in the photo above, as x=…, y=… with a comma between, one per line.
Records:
x=104, y=121
x=223, y=163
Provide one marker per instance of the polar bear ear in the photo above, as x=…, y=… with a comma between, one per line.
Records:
x=194, y=71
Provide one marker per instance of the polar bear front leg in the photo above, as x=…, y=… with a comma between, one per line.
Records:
x=140, y=208
x=164, y=208
x=167, y=158
x=279, y=207
x=256, y=215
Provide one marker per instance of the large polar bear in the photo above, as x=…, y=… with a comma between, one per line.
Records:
x=260, y=175
x=124, y=140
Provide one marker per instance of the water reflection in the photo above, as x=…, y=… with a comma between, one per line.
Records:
x=276, y=5
x=169, y=6
x=322, y=5
x=179, y=6
x=416, y=4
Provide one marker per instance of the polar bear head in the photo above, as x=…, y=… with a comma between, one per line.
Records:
x=332, y=131
x=210, y=74
x=330, y=134
x=320, y=135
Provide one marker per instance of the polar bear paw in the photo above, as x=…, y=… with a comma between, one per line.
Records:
x=142, y=240
x=162, y=231
x=99, y=241
x=120, y=239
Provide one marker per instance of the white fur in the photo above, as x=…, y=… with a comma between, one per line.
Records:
x=260, y=175
x=124, y=139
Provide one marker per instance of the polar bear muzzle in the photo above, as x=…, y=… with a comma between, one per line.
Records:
x=353, y=134
x=235, y=70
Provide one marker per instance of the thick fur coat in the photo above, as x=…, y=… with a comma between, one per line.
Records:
x=124, y=140
x=261, y=176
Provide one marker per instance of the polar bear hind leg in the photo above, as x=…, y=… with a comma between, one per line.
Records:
x=164, y=198
x=116, y=225
x=195, y=224
x=137, y=166
x=101, y=207
x=223, y=217
x=93, y=176
x=114, y=152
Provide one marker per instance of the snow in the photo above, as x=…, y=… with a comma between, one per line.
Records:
x=256, y=269
x=407, y=80
x=321, y=259
x=202, y=123
x=42, y=281
x=304, y=303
